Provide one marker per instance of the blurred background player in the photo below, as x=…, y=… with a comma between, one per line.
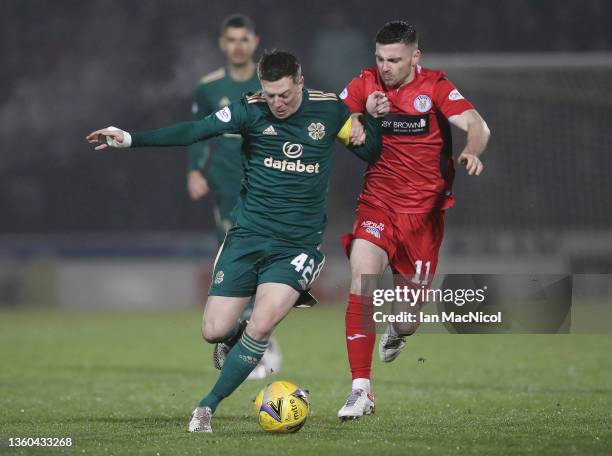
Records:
x=400, y=213
x=238, y=42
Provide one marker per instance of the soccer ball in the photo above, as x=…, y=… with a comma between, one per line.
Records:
x=282, y=407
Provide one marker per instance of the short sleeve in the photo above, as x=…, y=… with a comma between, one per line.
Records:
x=448, y=99
x=353, y=95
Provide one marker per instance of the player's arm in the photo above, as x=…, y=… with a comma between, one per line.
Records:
x=357, y=135
x=354, y=96
x=478, y=135
x=231, y=119
x=197, y=185
x=198, y=154
x=461, y=113
x=377, y=106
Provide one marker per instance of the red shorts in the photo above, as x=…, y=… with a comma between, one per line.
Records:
x=412, y=241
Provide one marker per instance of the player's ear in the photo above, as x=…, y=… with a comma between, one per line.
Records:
x=416, y=56
x=255, y=41
x=301, y=82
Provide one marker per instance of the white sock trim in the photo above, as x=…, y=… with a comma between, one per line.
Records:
x=361, y=383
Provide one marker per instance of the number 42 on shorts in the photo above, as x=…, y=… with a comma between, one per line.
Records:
x=309, y=272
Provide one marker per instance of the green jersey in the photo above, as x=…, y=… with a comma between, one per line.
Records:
x=287, y=161
x=215, y=91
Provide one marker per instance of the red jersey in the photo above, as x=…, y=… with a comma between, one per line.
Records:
x=415, y=171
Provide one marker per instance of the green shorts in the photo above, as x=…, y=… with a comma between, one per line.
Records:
x=247, y=259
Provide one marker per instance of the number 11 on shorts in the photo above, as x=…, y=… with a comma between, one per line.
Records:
x=418, y=265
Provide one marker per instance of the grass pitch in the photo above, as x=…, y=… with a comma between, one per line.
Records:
x=125, y=383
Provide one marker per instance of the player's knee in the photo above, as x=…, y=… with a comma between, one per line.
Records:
x=260, y=329
x=356, y=285
x=364, y=280
x=356, y=272
x=365, y=274
x=211, y=333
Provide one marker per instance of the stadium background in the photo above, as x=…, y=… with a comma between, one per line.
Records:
x=539, y=72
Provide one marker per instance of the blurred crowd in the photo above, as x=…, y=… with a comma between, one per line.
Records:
x=70, y=67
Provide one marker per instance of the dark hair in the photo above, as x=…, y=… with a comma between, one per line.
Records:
x=237, y=21
x=276, y=64
x=397, y=32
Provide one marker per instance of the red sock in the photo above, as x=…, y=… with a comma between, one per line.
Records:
x=360, y=335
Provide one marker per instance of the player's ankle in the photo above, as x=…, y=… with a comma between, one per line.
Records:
x=362, y=384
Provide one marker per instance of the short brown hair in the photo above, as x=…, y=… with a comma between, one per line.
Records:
x=237, y=21
x=397, y=32
x=276, y=64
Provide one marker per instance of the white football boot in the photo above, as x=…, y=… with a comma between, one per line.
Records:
x=390, y=345
x=200, y=420
x=358, y=404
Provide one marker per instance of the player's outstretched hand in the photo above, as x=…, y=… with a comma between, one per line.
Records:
x=109, y=137
x=378, y=104
x=197, y=185
x=357, y=136
x=472, y=163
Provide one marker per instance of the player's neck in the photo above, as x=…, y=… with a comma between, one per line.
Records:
x=243, y=72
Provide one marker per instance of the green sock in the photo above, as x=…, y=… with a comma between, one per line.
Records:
x=239, y=363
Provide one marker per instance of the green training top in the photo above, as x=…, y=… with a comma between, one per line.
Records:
x=215, y=91
x=287, y=161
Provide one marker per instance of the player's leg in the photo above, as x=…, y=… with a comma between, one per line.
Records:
x=223, y=223
x=272, y=303
x=220, y=314
x=282, y=270
x=270, y=363
x=360, y=330
x=272, y=360
x=224, y=202
x=393, y=340
x=415, y=264
x=368, y=247
x=234, y=282
x=222, y=325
